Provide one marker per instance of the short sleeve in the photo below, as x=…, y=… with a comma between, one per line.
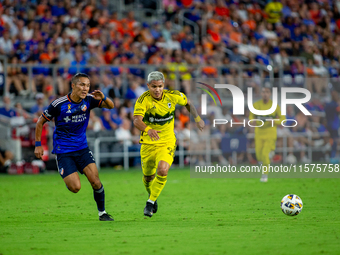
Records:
x=94, y=102
x=140, y=108
x=181, y=98
x=50, y=112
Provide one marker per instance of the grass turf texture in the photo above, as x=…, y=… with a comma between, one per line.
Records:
x=38, y=215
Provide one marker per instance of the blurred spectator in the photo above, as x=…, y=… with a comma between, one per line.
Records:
x=20, y=111
x=134, y=91
x=187, y=44
x=95, y=123
x=170, y=8
x=6, y=44
x=274, y=11
x=235, y=56
x=332, y=110
x=5, y=160
x=65, y=55
x=40, y=105
x=123, y=133
x=7, y=109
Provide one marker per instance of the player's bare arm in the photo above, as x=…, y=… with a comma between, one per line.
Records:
x=191, y=108
x=39, y=151
x=106, y=103
x=138, y=122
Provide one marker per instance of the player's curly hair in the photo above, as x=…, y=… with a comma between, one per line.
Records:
x=76, y=77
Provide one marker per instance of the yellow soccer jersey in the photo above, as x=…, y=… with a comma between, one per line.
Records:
x=159, y=114
x=266, y=131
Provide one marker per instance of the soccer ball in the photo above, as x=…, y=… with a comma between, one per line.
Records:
x=291, y=205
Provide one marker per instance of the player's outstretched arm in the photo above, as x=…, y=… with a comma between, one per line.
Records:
x=138, y=122
x=107, y=102
x=39, y=151
x=191, y=108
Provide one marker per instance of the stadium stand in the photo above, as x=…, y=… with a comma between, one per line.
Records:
x=43, y=43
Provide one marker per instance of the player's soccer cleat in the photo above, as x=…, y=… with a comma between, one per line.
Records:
x=264, y=178
x=148, y=210
x=155, y=207
x=106, y=217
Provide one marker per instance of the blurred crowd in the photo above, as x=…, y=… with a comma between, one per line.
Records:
x=73, y=32
x=79, y=36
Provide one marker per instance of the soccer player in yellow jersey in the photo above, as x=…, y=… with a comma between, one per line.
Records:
x=154, y=115
x=266, y=135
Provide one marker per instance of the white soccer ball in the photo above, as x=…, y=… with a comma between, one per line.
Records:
x=291, y=205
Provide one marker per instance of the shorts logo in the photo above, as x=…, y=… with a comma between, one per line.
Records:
x=83, y=108
x=91, y=155
x=68, y=108
x=169, y=105
x=61, y=171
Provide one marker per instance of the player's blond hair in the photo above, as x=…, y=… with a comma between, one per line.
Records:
x=155, y=76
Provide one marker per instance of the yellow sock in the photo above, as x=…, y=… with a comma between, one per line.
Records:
x=147, y=185
x=157, y=187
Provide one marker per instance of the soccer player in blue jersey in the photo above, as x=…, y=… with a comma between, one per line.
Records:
x=71, y=115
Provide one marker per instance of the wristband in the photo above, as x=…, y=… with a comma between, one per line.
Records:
x=198, y=119
x=147, y=129
x=104, y=99
x=38, y=143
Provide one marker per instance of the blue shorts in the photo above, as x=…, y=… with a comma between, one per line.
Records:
x=71, y=162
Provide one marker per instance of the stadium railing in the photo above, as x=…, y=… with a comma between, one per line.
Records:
x=55, y=70
x=207, y=152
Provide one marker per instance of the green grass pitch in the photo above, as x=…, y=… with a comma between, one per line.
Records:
x=38, y=215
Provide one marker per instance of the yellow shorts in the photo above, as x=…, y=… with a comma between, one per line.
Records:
x=151, y=154
x=263, y=147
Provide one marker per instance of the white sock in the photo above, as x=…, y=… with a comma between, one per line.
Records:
x=152, y=202
x=101, y=213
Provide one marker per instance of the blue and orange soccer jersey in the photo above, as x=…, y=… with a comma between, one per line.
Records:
x=71, y=120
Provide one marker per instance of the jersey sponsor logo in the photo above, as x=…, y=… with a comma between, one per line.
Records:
x=84, y=108
x=68, y=108
x=158, y=119
x=152, y=119
x=79, y=118
x=162, y=120
x=67, y=119
x=47, y=114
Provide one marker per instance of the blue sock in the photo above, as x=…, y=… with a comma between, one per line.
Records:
x=99, y=197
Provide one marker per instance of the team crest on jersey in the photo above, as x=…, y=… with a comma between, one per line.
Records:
x=169, y=105
x=68, y=108
x=84, y=108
